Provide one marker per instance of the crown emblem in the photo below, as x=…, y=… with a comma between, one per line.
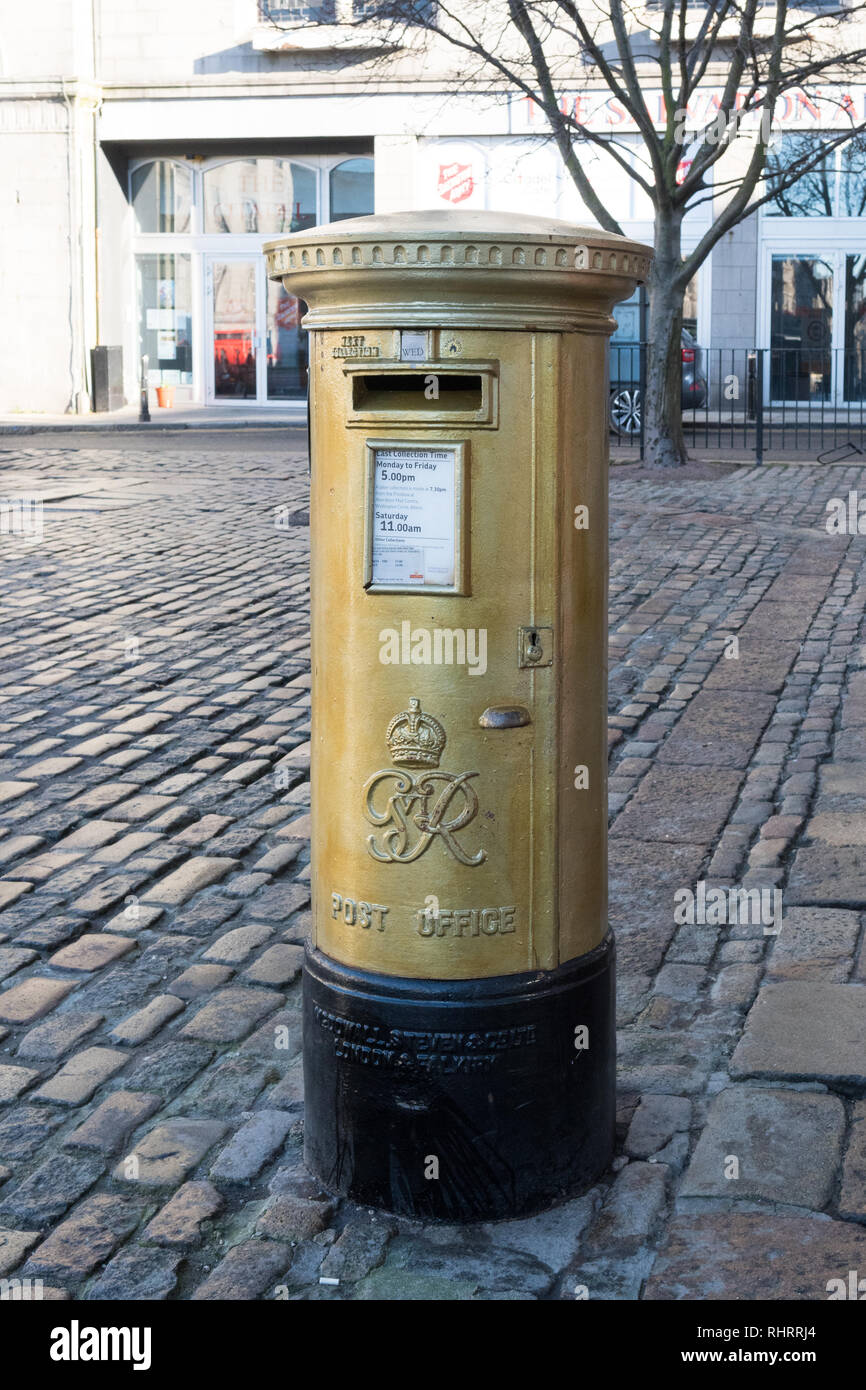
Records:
x=414, y=738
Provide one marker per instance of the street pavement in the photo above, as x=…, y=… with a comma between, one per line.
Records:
x=154, y=844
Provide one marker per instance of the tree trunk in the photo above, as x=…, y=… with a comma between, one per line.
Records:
x=663, y=418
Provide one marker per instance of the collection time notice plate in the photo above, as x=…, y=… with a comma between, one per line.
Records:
x=415, y=526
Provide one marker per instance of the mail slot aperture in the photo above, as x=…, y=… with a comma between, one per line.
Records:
x=464, y=393
x=416, y=391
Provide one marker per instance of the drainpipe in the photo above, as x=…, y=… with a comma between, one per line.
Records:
x=96, y=113
x=82, y=99
x=78, y=402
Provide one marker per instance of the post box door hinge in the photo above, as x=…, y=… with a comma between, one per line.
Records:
x=534, y=646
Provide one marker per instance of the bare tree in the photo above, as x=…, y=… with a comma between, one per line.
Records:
x=754, y=54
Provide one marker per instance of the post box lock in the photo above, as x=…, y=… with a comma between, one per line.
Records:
x=534, y=646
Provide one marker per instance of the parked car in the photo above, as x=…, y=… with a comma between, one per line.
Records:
x=625, y=395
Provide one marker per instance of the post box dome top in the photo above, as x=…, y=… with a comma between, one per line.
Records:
x=487, y=268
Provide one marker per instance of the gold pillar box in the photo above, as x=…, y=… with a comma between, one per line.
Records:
x=458, y=409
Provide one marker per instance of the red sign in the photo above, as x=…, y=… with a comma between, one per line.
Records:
x=455, y=182
x=287, y=312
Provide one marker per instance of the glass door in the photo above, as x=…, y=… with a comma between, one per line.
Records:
x=232, y=330
x=258, y=351
x=801, y=329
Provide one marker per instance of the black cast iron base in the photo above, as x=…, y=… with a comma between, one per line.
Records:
x=459, y=1100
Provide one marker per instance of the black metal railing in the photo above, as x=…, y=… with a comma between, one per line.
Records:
x=766, y=402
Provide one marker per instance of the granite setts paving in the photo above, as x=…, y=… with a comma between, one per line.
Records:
x=154, y=896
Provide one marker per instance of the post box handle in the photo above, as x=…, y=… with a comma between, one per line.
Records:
x=505, y=717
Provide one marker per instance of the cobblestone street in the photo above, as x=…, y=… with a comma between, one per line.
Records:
x=154, y=843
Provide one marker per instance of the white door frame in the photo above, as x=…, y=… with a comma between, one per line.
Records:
x=829, y=239
x=203, y=248
x=830, y=257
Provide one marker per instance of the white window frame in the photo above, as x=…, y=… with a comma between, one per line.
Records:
x=201, y=246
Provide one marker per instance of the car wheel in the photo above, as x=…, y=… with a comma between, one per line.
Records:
x=625, y=411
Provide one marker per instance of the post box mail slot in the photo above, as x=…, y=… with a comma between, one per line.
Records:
x=458, y=990
x=463, y=393
x=434, y=393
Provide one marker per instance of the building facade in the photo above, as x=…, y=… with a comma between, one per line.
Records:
x=147, y=150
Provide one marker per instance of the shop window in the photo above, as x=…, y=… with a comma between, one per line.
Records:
x=165, y=318
x=287, y=345
x=409, y=11
x=265, y=196
x=690, y=307
x=351, y=189
x=855, y=327
x=628, y=316
x=813, y=195
x=801, y=328
x=298, y=11
x=162, y=196
x=852, y=178
x=330, y=12
x=836, y=188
